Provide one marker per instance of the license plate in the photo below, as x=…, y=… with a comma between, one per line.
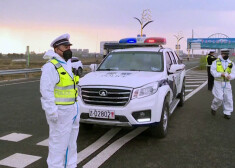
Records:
x=108, y=114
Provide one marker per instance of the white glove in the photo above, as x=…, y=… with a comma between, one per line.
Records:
x=53, y=117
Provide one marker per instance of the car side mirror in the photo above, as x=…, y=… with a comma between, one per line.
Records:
x=93, y=67
x=176, y=67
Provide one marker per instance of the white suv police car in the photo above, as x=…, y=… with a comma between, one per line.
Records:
x=139, y=84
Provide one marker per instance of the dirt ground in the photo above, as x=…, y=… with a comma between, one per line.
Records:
x=7, y=64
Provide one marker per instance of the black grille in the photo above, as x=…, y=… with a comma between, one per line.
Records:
x=114, y=97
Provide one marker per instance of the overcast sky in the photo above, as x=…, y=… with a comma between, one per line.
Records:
x=37, y=22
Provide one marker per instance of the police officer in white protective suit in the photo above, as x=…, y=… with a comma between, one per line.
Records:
x=223, y=71
x=59, y=101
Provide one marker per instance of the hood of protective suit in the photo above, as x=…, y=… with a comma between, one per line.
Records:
x=51, y=54
x=221, y=58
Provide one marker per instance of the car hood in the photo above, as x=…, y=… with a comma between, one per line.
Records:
x=131, y=79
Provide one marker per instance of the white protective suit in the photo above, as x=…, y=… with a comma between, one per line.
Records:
x=222, y=91
x=63, y=120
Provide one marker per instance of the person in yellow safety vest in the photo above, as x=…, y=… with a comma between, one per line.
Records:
x=223, y=71
x=58, y=87
x=210, y=58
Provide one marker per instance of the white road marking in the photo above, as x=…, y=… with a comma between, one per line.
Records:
x=44, y=143
x=191, y=68
x=15, y=137
x=196, y=79
x=196, y=73
x=188, y=90
x=195, y=76
x=195, y=91
x=114, y=147
x=19, y=160
x=18, y=83
x=192, y=85
x=96, y=145
x=194, y=82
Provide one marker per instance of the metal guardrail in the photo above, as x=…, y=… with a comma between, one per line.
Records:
x=25, y=71
x=19, y=71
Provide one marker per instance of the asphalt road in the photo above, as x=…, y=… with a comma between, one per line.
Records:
x=196, y=139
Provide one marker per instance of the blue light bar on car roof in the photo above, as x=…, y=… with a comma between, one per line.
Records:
x=128, y=40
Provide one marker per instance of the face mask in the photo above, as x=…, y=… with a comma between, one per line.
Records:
x=67, y=54
x=225, y=57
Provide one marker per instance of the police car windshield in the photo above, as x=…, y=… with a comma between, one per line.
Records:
x=133, y=61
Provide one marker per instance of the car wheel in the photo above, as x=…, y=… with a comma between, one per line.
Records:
x=182, y=95
x=80, y=71
x=160, y=130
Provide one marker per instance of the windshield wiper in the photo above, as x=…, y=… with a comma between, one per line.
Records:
x=106, y=69
x=135, y=70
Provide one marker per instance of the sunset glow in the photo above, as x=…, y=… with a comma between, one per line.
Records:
x=37, y=23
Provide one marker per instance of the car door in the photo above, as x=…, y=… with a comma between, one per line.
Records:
x=171, y=76
x=177, y=74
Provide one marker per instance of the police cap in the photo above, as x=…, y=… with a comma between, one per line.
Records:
x=224, y=51
x=211, y=51
x=61, y=40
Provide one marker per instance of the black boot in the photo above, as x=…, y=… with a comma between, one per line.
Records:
x=227, y=116
x=213, y=112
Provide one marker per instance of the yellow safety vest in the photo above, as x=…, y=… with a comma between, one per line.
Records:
x=219, y=68
x=65, y=91
x=207, y=59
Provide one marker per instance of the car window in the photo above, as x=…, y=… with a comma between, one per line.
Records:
x=172, y=57
x=133, y=61
x=168, y=61
x=179, y=59
x=175, y=56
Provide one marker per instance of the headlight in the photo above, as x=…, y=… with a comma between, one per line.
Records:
x=144, y=91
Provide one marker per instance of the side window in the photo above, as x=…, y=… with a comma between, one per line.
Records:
x=179, y=59
x=168, y=61
x=172, y=57
x=176, y=57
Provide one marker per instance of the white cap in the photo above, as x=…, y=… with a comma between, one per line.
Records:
x=224, y=50
x=211, y=51
x=61, y=40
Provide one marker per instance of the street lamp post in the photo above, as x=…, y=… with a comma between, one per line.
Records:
x=145, y=20
x=178, y=38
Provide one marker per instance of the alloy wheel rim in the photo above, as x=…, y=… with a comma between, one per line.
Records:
x=165, y=120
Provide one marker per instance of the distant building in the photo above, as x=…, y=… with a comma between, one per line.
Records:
x=79, y=51
x=85, y=51
x=74, y=50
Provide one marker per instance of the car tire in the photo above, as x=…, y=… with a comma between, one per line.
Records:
x=160, y=130
x=182, y=95
x=80, y=70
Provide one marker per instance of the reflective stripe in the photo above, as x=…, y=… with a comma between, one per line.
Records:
x=219, y=79
x=65, y=88
x=58, y=65
x=65, y=100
